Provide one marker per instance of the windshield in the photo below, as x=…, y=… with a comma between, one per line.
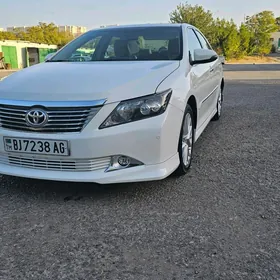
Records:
x=124, y=44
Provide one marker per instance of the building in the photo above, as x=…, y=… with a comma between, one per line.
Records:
x=275, y=39
x=110, y=25
x=74, y=30
x=21, y=54
x=17, y=29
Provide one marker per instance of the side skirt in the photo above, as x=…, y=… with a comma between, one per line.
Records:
x=199, y=131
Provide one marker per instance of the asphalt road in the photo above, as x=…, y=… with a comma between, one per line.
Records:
x=252, y=67
x=221, y=221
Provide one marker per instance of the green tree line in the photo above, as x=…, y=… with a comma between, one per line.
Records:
x=252, y=37
x=43, y=33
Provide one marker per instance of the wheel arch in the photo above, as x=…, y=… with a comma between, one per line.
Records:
x=223, y=84
x=192, y=102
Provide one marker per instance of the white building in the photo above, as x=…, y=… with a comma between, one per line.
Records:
x=275, y=39
x=110, y=25
x=15, y=28
x=74, y=30
x=21, y=54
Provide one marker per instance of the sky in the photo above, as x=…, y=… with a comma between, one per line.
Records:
x=94, y=13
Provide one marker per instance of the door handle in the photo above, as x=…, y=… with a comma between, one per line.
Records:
x=211, y=70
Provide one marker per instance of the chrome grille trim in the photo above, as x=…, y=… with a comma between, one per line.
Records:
x=63, y=117
x=25, y=103
x=53, y=164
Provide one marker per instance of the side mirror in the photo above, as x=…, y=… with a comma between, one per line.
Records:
x=202, y=56
x=49, y=56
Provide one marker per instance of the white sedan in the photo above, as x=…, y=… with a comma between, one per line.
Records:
x=129, y=114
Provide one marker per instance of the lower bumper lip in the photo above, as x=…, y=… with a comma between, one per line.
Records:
x=135, y=174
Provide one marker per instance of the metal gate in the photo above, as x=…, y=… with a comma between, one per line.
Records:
x=10, y=56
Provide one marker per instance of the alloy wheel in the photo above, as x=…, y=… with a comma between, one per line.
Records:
x=219, y=104
x=187, y=140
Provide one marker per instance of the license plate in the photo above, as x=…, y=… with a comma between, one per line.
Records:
x=36, y=146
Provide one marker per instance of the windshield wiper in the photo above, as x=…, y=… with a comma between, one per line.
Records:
x=115, y=59
x=59, y=60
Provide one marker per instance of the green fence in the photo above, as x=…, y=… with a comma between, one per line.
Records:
x=10, y=56
x=44, y=52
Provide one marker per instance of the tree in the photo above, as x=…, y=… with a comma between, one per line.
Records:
x=7, y=36
x=261, y=26
x=195, y=15
x=222, y=34
x=47, y=34
x=43, y=33
x=245, y=37
x=227, y=39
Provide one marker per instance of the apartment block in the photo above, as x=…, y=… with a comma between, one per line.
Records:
x=75, y=30
x=110, y=25
x=16, y=28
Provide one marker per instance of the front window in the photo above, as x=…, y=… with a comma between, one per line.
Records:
x=193, y=42
x=124, y=44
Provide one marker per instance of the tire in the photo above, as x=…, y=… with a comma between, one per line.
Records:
x=185, y=146
x=219, y=106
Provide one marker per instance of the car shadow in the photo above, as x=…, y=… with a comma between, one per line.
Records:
x=77, y=192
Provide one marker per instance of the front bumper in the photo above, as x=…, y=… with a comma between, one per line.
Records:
x=134, y=174
x=152, y=141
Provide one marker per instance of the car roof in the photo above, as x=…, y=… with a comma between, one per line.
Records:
x=146, y=25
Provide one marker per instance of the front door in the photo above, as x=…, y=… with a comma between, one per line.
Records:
x=200, y=80
x=214, y=83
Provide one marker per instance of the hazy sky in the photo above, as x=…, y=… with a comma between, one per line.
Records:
x=93, y=13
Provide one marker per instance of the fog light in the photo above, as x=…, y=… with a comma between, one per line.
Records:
x=122, y=162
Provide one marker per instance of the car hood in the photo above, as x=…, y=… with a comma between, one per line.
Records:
x=60, y=81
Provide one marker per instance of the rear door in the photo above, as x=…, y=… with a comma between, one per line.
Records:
x=199, y=79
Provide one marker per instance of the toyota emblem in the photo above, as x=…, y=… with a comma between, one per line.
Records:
x=36, y=117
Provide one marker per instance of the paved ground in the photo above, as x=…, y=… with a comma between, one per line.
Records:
x=252, y=67
x=252, y=75
x=4, y=73
x=221, y=221
x=252, y=72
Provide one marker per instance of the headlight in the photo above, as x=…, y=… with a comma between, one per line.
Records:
x=138, y=109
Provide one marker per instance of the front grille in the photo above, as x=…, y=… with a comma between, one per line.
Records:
x=81, y=165
x=60, y=119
